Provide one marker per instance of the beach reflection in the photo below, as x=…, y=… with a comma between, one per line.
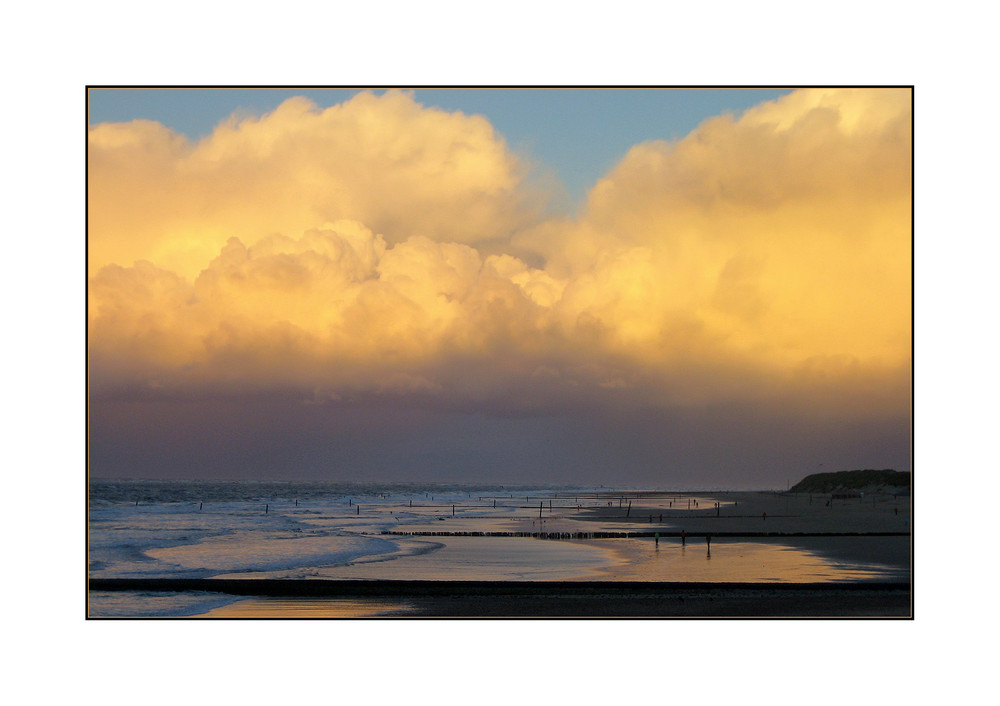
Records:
x=527, y=559
x=309, y=608
x=474, y=559
x=756, y=537
x=735, y=561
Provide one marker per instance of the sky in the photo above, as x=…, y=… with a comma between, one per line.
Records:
x=577, y=133
x=678, y=288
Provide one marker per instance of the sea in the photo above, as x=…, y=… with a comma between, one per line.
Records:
x=328, y=530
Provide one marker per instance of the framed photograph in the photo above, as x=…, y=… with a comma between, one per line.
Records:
x=476, y=352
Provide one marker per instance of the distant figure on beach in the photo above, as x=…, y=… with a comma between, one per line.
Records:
x=765, y=515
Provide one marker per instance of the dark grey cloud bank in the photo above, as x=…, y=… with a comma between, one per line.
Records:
x=736, y=446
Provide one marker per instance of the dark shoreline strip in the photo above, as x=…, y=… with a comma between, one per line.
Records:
x=633, y=535
x=345, y=588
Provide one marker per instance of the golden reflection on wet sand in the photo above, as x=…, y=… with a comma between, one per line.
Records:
x=308, y=608
x=727, y=561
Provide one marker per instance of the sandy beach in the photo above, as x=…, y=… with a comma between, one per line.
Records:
x=746, y=554
x=767, y=512
x=831, y=527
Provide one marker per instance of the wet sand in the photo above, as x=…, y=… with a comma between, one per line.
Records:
x=757, y=512
x=309, y=609
x=472, y=558
x=638, y=575
x=874, y=529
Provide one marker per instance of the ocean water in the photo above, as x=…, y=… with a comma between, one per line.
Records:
x=197, y=529
x=200, y=529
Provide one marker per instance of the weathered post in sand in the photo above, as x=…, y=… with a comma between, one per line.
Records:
x=629, y=511
x=452, y=510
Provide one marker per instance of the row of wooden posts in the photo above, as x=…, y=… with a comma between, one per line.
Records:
x=546, y=535
x=541, y=506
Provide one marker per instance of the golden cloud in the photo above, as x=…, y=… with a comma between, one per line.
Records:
x=354, y=250
x=386, y=161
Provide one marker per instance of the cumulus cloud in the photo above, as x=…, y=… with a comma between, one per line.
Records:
x=402, y=169
x=370, y=250
x=778, y=242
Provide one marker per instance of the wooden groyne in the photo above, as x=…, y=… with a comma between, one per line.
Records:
x=398, y=588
